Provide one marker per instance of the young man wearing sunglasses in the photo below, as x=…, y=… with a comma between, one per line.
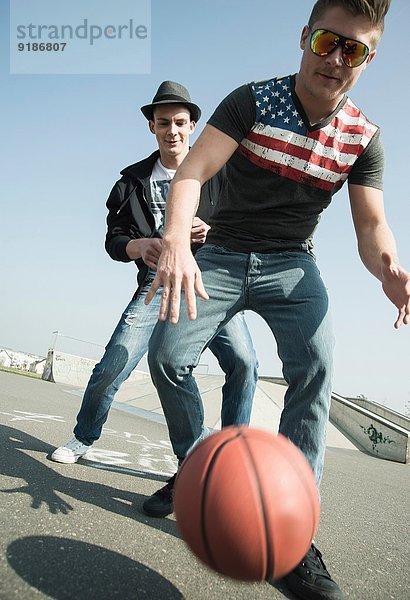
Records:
x=288, y=144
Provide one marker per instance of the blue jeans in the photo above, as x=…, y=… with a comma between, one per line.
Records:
x=286, y=289
x=232, y=347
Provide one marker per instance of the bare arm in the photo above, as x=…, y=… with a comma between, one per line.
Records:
x=177, y=268
x=377, y=248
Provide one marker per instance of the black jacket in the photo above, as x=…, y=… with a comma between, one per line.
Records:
x=129, y=214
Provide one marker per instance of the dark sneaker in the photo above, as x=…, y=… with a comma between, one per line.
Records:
x=311, y=580
x=161, y=504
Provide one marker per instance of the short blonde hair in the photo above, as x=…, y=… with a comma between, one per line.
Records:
x=373, y=10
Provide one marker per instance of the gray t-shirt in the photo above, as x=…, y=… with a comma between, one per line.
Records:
x=285, y=171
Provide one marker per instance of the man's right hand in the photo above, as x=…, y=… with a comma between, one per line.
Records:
x=177, y=270
x=149, y=249
x=199, y=231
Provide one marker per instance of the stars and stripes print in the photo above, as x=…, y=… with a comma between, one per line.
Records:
x=281, y=142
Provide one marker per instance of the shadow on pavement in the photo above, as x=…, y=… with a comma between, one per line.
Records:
x=64, y=569
x=118, y=469
x=44, y=485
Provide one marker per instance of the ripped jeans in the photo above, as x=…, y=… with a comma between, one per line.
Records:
x=232, y=347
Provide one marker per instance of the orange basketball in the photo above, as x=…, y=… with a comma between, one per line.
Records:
x=246, y=503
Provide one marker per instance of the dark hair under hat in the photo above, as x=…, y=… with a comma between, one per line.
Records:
x=170, y=92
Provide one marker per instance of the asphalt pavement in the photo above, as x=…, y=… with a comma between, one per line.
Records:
x=78, y=531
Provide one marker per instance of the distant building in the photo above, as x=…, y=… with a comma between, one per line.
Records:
x=21, y=360
x=5, y=358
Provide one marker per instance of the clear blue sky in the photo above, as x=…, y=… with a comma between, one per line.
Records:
x=64, y=139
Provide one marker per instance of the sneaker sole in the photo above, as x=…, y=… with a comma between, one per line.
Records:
x=161, y=514
x=66, y=460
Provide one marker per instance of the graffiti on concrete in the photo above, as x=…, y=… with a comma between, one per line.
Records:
x=22, y=415
x=376, y=437
x=154, y=455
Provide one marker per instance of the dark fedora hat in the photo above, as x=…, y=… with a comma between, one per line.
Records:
x=170, y=92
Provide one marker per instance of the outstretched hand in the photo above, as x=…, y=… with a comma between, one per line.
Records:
x=177, y=271
x=396, y=286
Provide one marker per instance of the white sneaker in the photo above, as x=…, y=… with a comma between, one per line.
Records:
x=70, y=452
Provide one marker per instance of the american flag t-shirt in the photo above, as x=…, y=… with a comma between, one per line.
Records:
x=280, y=140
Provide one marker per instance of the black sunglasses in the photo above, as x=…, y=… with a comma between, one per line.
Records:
x=323, y=42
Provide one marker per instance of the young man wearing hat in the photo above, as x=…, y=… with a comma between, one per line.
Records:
x=288, y=144
x=136, y=208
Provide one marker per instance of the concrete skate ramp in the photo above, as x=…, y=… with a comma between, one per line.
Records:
x=378, y=435
x=353, y=425
x=142, y=399
x=350, y=426
x=373, y=428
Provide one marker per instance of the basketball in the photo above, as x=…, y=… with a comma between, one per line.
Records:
x=246, y=503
